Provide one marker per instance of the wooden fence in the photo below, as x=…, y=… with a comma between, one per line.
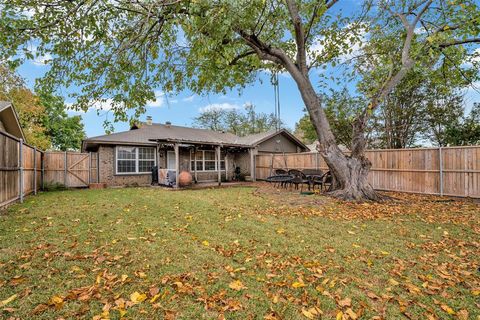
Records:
x=71, y=169
x=20, y=169
x=25, y=170
x=452, y=171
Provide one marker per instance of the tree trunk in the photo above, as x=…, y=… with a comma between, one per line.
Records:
x=350, y=172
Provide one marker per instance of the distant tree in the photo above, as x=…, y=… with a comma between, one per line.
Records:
x=241, y=122
x=42, y=117
x=341, y=109
x=443, y=111
x=465, y=132
x=66, y=132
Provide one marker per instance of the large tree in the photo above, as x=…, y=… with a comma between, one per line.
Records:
x=122, y=50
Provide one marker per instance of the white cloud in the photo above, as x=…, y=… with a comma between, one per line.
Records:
x=219, y=106
x=189, y=98
x=42, y=60
x=159, y=100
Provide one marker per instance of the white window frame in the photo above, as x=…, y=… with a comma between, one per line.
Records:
x=137, y=159
x=192, y=159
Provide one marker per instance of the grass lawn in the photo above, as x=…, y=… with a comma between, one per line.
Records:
x=237, y=253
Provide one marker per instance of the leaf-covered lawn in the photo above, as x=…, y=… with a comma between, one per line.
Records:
x=237, y=253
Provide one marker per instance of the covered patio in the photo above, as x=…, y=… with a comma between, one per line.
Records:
x=206, y=162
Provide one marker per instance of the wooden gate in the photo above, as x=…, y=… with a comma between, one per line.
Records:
x=72, y=169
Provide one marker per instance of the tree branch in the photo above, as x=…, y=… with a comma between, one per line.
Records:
x=299, y=36
x=240, y=57
x=458, y=42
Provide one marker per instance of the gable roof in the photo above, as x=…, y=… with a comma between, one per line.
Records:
x=10, y=120
x=256, y=139
x=150, y=134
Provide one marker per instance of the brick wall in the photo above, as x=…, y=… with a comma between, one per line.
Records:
x=107, y=171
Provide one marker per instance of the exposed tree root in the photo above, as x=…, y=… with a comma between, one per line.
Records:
x=366, y=193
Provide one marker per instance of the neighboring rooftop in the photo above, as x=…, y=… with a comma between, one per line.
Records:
x=9, y=121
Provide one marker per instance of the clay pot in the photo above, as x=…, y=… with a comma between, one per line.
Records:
x=184, y=179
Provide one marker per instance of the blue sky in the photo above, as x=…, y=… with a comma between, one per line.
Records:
x=183, y=108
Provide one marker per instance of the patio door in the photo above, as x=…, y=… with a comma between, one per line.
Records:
x=171, y=160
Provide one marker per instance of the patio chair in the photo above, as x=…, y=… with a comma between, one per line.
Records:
x=299, y=178
x=324, y=181
x=317, y=180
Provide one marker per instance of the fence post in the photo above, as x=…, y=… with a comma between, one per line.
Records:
x=65, y=171
x=20, y=168
x=89, y=167
x=440, y=160
x=34, y=170
x=43, y=157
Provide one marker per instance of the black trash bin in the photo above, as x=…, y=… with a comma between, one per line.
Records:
x=154, y=175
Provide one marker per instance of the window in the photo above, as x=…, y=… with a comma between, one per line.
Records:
x=206, y=161
x=209, y=160
x=135, y=160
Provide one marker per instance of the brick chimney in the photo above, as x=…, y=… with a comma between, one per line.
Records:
x=149, y=120
x=168, y=124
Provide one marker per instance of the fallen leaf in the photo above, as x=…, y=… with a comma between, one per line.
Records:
x=462, y=314
x=39, y=309
x=137, y=297
x=8, y=300
x=56, y=301
x=351, y=314
x=393, y=282
x=339, y=315
x=447, y=309
x=298, y=284
x=236, y=285
x=347, y=302
x=311, y=313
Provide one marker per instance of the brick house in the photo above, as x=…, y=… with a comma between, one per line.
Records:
x=126, y=158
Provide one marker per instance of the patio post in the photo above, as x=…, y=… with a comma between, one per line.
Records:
x=218, y=165
x=252, y=164
x=195, y=163
x=226, y=165
x=177, y=163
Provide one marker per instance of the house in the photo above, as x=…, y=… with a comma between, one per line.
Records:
x=9, y=123
x=126, y=158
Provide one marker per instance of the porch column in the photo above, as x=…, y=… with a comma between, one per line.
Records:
x=252, y=165
x=177, y=163
x=226, y=165
x=195, y=163
x=218, y=166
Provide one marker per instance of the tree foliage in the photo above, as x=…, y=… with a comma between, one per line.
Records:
x=239, y=122
x=341, y=109
x=42, y=116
